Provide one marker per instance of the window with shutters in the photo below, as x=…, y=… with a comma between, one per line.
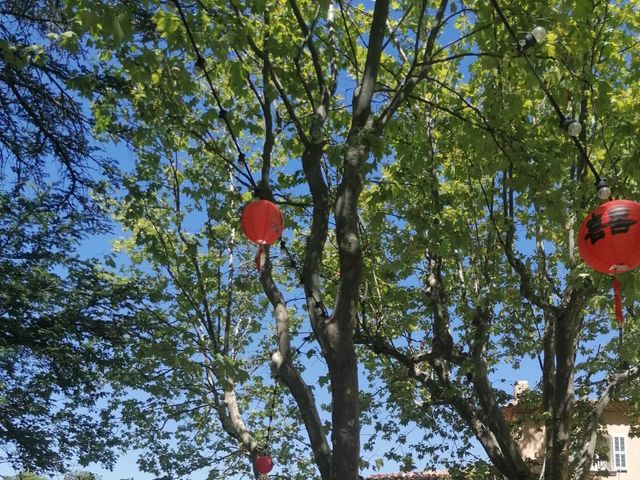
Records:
x=619, y=453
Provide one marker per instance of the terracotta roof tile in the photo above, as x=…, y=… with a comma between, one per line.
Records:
x=428, y=475
x=513, y=411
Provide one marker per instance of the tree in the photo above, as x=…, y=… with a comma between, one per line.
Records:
x=432, y=202
x=63, y=324
x=62, y=317
x=68, y=476
x=44, y=130
x=80, y=475
x=556, y=303
x=25, y=476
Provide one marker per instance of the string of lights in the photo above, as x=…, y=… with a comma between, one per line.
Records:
x=571, y=125
x=222, y=113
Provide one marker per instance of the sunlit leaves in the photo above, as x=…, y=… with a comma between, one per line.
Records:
x=473, y=159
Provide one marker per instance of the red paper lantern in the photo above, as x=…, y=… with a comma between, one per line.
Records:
x=263, y=464
x=609, y=238
x=609, y=241
x=262, y=223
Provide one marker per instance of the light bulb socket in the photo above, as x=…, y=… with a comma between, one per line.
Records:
x=572, y=126
x=526, y=42
x=602, y=187
x=535, y=37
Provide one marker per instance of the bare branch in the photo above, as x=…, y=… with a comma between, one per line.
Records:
x=282, y=366
x=413, y=77
x=315, y=57
x=281, y=90
x=354, y=54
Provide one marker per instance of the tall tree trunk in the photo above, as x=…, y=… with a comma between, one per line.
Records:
x=340, y=355
x=345, y=410
x=562, y=402
x=567, y=326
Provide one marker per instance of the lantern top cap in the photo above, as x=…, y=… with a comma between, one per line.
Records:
x=617, y=269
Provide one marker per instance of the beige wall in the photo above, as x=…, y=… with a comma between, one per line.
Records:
x=531, y=443
x=618, y=425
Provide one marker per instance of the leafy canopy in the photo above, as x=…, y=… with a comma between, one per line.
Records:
x=455, y=187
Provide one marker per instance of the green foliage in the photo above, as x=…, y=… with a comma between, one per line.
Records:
x=63, y=318
x=67, y=476
x=472, y=165
x=82, y=476
x=26, y=476
x=44, y=128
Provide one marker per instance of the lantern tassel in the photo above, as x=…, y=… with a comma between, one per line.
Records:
x=259, y=258
x=618, y=301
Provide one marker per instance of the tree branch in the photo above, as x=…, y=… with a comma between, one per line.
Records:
x=315, y=57
x=282, y=366
x=412, y=79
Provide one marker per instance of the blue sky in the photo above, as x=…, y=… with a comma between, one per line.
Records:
x=126, y=467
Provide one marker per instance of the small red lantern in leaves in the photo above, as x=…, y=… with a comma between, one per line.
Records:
x=263, y=464
x=262, y=223
x=609, y=242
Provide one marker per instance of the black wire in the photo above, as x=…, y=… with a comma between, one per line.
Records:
x=274, y=392
x=273, y=396
x=504, y=20
x=292, y=261
x=201, y=63
x=296, y=267
x=556, y=107
x=546, y=91
x=620, y=341
x=272, y=406
x=306, y=339
x=294, y=264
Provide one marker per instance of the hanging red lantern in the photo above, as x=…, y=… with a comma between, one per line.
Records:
x=262, y=223
x=263, y=464
x=609, y=241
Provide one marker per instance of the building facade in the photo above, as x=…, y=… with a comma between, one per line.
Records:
x=617, y=455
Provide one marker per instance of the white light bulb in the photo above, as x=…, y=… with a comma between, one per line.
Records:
x=574, y=128
x=604, y=192
x=539, y=33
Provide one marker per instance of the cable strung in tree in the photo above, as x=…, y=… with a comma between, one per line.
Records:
x=275, y=390
x=222, y=113
x=292, y=261
x=272, y=406
x=296, y=267
x=619, y=253
x=554, y=104
x=200, y=63
x=264, y=463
